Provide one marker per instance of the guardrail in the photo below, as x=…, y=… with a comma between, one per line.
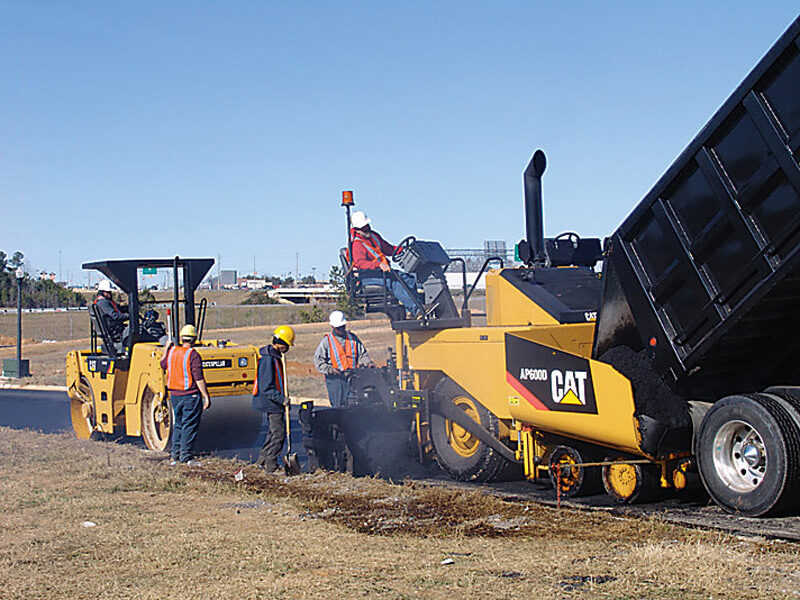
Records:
x=8, y=311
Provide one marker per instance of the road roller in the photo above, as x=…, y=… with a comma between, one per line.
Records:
x=117, y=386
x=661, y=359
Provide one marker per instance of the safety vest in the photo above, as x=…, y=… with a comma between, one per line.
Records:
x=179, y=372
x=343, y=357
x=280, y=379
x=372, y=245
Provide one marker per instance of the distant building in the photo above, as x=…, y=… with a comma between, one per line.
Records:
x=251, y=284
x=227, y=281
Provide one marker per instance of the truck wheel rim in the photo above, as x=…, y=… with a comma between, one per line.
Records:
x=740, y=458
x=463, y=442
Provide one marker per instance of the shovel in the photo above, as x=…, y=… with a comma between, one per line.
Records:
x=290, y=464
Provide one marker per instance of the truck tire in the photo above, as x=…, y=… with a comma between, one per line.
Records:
x=748, y=455
x=572, y=480
x=461, y=455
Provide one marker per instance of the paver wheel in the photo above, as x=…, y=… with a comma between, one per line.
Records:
x=566, y=474
x=459, y=453
x=748, y=454
x=630, y=483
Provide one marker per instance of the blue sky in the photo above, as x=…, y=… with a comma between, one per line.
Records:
x=230, y=128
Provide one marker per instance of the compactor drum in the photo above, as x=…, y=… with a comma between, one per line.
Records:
x=118, y=388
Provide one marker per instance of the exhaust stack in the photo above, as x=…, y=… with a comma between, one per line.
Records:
x=531, y=250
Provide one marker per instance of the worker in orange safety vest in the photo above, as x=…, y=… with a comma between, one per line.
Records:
x=188, y=394
x=338, y=353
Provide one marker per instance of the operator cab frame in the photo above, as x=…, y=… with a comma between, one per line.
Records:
x=125, y=275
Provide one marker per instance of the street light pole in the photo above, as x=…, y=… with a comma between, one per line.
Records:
x=20, y=275
x=17, y=368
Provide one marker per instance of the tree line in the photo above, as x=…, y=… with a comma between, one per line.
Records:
x=36, y=293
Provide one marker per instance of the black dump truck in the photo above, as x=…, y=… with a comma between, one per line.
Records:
x=705, y=275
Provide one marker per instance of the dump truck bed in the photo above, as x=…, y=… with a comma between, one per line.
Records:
x=706, y=269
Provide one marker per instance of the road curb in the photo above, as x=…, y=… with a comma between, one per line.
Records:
x=4, y=385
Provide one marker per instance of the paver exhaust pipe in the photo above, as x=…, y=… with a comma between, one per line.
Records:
x=532, y=251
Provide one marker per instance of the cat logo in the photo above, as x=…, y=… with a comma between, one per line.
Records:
x=513, y=400
x=568, y=387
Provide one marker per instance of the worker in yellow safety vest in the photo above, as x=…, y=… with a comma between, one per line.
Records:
x=188, y=394
x=338, y=353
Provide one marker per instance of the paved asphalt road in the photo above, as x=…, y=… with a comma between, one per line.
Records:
x=230, y=428
x=49, y=412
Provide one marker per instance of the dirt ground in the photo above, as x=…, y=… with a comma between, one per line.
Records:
x=47, y=358
x=82, y=519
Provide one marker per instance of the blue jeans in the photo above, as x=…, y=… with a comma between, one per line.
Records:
x=186, y=413
x=396, y=288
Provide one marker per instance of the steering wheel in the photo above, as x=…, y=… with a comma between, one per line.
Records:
x=568, y=235
x=403, y=246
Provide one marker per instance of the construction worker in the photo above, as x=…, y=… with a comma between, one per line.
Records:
x=187, y=386
x=339, y=352
x=370, y=253
x=113, y=317
x=269, y=395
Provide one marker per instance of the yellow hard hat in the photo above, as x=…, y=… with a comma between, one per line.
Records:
x=285, y=334
x=188, y=331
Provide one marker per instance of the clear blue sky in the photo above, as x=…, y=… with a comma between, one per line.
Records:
x=206, y=128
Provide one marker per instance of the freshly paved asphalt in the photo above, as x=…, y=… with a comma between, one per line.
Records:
x=231, y=428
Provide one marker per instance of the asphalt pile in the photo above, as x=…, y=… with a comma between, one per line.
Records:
x=651, y=395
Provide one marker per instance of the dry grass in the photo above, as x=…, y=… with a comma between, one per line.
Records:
x=195, y=533
x=72, y=325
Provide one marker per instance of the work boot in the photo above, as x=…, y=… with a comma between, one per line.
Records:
x=193, y=463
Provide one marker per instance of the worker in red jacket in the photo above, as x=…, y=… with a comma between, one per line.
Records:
x=371, y=259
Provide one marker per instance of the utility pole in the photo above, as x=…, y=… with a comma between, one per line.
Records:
x=296, y=269
x=219, y=272
x=254, y=265
x=60, y=279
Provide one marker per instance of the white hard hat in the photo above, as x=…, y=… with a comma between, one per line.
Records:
x=359, y=220
x=338, y=319
x=104, y=286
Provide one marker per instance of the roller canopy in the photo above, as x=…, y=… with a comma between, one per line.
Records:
x=123, y=273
